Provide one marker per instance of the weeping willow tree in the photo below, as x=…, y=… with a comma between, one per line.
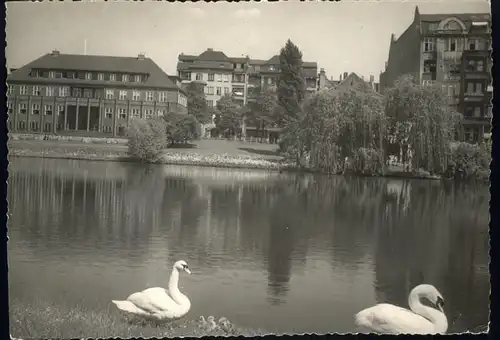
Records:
x=341, y=124
x=423, y=123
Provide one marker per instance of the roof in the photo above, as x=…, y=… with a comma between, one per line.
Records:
x=205, y=65
x=461, y=16
x=76, y=62
x=211, y=55
x=355, y=82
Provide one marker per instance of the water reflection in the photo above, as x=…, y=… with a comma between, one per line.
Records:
x=335, y=245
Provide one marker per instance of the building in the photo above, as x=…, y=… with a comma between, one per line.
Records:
x=347, y=81
x=89, y=95
x=436, y=49
x=241, y=77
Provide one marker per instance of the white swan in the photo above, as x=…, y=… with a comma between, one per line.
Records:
x=386, y=318
x=159, y=303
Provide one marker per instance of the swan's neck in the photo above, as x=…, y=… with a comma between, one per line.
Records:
x=173, y=288
x=436, y=317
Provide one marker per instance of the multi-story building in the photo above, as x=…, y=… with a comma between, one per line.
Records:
x=242, y=77
x=99, y=95
x=435, y=49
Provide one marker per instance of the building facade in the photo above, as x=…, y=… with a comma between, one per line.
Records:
x=442, y=50
x=242, y=77
x=89, y=95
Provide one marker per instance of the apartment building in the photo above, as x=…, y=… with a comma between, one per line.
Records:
x=91, y=95
x=451, y=51
x=241, y=77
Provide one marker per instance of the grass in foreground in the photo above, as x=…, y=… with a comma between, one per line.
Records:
x=42, y=319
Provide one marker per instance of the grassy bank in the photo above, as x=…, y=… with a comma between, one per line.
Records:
x=42, y=320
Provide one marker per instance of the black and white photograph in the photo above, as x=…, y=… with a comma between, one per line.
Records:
x=221, y=169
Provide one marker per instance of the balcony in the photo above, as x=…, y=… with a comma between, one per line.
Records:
x=238, y=80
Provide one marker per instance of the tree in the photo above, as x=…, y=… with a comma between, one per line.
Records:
x=181, y=128
x=197, y=105
x=262, y=112
x=423, y=123
x=291, y=84
x=230, y=115
x=146, y=139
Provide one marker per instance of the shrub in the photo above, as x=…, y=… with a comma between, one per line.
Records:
x=146, y=139
x=367, y=161
x=181, y=128
x=469, y=161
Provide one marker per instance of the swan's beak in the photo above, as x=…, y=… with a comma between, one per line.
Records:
x=187, y=270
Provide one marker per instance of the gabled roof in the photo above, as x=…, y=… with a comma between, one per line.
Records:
x=275, y=60
x=356, y=83
x=157, y=78
x=211, y=55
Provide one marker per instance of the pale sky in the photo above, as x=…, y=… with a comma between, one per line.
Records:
x=349, y=36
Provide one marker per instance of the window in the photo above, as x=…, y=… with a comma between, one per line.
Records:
x=136, y=95
x=58, y=74
x=433, y=26
x=10, y=90
x=474, y=44
x=479, y=88
x=24, y=90
x=136, y=113
x=162, y=96
x=64, y=91
x=122, y=95
x=51, y=74
x=34, y=126
x=77, y=92
x=225, y=78
x=37, y=91
x=112, y=76
x=21, y=125
x=160, y=112
x=108, y=129
x=470, y=87
x=199, y=76
x=49, y=91
x=60, y=110
x=119, y=77
x=150, y=96
x=452, y=44
x=88, y=93
x=48, y=110
x=429, y=66
x=226, y=90
x=100, y=76
x=477, y=112
x=35, y=109
x=88, y=76
x=219, y=90
x=211, y=77
x=137, y=78
x=471, y=65
x=23, y=108
x=125, y=78
x=210, y=90
x=218, y=77
x=429, y=44
x=149, y=113
x=480, y=66
x=451, y=89
x=210, y=103
x=110, y=94
x=468, y=111
x=108, y=112
x=122, y=113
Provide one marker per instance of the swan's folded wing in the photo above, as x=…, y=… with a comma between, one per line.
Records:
x=153, y=300
x=387, y=318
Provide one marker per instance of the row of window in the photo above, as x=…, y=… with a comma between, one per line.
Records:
x=475, y=65
x=455, y=44
x=88, y=75
x=47, y=127
x=475, y=88
x=48, y=110
x=210, y=90
x=476, y=112
x=66, y=91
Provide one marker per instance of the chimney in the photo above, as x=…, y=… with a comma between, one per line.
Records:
x=340, y=77
x=372, y=78
x=141, y=56
x=345, y=75
x=322, y=70
x=331, y=78
x=210, y=49
x=55, y=53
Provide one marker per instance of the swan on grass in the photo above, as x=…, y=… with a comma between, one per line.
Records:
x=159, y=303
x=421, y=319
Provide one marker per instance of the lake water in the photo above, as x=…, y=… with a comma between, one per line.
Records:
x=278, y=252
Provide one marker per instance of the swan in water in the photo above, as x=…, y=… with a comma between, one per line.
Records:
x=387, y=318
x=159, y=303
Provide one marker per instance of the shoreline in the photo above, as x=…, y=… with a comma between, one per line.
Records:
x=223, y=161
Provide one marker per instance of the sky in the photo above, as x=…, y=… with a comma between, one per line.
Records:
x=348, y=36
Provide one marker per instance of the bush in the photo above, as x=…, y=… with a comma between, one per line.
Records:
x=469, y=161
x=367, y=161
x=181, y=128
x=146, y=139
